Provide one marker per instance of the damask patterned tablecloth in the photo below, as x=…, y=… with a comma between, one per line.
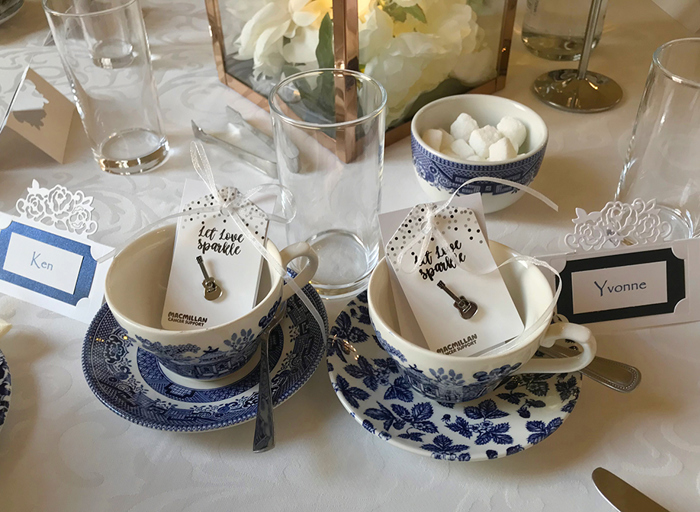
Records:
x=62, y=450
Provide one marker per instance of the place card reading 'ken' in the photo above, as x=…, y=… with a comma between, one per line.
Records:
x=46, y=257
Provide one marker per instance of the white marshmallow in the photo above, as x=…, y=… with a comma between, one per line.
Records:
x=502, y=150
x=447, y=140
x=476, y=158
x=463, y=127
x=514, y=129
x=462, y=149
x=433, y=138
x=480, y=140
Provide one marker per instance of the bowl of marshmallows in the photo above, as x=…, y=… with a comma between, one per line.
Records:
x=457, y=138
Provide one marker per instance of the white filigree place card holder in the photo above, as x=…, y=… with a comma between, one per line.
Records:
x=46, y=257
x=623, y=273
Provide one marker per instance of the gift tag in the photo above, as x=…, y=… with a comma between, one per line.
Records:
x=459, y=311
x=216, y=270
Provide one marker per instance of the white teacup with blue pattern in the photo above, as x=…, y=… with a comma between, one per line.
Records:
x=135, y=291
x=452, y=379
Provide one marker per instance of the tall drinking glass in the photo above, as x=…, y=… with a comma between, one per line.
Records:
x=663, y=159
x=105, y=53
x=329, y=136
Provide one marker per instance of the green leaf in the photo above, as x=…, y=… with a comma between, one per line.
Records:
x=399, y=13
x=416, y=12
x=324, y=50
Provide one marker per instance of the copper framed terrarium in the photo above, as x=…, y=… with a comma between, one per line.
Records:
x=419, y=50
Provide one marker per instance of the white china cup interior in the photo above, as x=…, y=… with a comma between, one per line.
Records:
x=529, y=288
x=138, y=279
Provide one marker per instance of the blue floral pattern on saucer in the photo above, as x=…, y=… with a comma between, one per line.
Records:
x=132, y=383
x=5, y=389
x=521, y=412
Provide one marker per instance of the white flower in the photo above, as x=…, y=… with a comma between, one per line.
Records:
x=375, y=34
x=408, y=57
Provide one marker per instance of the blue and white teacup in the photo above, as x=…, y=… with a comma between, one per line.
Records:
x=135, y=291
x=439, y=175
x=450, y=378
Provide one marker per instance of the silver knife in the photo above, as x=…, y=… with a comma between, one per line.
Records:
x=622, y=495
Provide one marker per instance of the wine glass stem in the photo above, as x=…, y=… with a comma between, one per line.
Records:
x=593, y=15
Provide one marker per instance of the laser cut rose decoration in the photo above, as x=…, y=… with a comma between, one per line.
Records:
x=618, y=223
x=58, y=207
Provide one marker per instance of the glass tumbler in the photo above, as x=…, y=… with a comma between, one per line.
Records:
x=104, y=50
x=663, y=158
x=329, y=136
x=555, y=29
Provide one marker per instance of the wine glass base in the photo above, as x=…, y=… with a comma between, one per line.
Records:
x=563, y=90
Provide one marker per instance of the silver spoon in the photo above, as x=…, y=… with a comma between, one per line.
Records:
x=619, y=376
x=264, y=438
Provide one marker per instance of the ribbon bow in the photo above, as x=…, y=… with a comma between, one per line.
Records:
x=429, y=229
x=232, y=206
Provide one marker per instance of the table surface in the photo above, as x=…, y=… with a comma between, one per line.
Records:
x=62, y=450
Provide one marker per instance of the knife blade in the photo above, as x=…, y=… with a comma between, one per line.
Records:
x=622, y=495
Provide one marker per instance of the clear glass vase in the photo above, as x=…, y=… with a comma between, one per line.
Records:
x=329, y=137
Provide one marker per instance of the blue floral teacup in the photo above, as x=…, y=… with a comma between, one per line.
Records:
x=135, y=291
x=449, y=378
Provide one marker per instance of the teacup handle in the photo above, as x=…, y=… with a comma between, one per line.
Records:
x=292, y=252
x=573, y=332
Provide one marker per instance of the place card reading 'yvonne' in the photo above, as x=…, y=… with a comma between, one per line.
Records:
x=228, y=257
x=46, y=257
x=460, y=311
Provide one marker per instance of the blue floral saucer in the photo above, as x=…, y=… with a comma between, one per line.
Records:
x=523, y=411
x=5, y=389
x=131, y=382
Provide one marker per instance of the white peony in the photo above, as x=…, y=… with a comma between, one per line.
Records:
x=408, y=57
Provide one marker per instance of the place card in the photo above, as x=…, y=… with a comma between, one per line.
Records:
x=46, y=257
x=227, y=255
x=40, y=114
x=630, y=287
x=451, y=282
x=621, y=274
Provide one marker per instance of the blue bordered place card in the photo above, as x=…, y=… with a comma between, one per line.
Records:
x=610, y=286
x=46, y=257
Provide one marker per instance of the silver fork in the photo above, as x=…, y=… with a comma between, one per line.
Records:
x=264, y=438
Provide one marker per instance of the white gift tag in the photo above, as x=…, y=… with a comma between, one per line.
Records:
x=441, y=321
x=228, y=257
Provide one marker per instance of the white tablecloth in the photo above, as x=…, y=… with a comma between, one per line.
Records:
x=62, y=450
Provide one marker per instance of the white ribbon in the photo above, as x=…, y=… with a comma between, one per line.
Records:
x=204, y=170
x=232, y=207
x=429, y=230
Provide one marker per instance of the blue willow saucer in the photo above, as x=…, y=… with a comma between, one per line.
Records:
x=5, y=389
x=523, y=411
x=131, y=382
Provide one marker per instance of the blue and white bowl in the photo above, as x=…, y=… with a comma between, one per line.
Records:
x=440, y=175
x=135, y=291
